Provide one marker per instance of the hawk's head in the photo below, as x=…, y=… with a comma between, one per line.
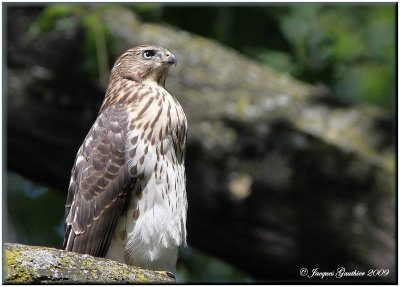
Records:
x=144, y=63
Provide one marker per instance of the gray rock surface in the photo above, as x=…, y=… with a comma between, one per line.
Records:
x=25, y=264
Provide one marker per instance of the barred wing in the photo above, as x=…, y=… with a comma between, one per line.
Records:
x=100, y=186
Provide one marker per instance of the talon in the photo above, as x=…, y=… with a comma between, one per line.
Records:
x=170, y=274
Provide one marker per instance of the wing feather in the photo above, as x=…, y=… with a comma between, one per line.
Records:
x=100, y=185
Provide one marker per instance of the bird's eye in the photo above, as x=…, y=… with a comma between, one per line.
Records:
x=148, y=54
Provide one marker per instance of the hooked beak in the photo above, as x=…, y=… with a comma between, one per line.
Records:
x=171, y=59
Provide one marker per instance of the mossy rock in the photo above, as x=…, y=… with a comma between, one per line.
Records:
x=25, y=264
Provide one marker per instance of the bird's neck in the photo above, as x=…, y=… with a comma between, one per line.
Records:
x=126, y=90
x=157, y=77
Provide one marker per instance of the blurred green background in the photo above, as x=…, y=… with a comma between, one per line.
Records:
x=348, y=48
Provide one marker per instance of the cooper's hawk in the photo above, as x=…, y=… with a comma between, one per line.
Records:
x=127, y=197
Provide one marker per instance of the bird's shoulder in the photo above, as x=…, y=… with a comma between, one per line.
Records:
x=104, y=144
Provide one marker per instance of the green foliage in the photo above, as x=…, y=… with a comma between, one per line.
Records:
x=348, y=47
x=56, y=17
x=98, y=42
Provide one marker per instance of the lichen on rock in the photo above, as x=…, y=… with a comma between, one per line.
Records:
x=25, y=264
